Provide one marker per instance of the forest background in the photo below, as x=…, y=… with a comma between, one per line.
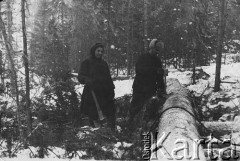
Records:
x=44, y=41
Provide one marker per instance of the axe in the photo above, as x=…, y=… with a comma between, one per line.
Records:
x=100, y=114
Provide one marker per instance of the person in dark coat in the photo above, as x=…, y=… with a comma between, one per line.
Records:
x=149, y=79
x=95, y=74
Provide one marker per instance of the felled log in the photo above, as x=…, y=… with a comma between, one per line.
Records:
x=178, y=136
x=228, y=82
x=222, y=128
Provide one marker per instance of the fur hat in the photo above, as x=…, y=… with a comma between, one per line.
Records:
x=94, y=47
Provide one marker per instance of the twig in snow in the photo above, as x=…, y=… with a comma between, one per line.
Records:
x=53, y=152
x=17, y=147
x=31, y=152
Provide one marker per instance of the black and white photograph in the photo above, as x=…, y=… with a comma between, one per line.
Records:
x=119, y=80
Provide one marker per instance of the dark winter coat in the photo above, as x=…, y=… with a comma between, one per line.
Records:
x=97, y=71
x=149, y=75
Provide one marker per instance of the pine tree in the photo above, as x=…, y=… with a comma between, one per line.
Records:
x=26, y=65
x=48, y=45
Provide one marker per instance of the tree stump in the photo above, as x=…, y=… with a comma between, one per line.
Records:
x=177, y=129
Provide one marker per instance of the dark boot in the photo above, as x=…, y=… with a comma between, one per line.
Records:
x=130, y=122
x=111, y=121
x=91, y=122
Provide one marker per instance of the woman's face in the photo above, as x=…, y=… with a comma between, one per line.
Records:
x=99, y=52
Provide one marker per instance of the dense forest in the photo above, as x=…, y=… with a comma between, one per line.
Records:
x=43, y=42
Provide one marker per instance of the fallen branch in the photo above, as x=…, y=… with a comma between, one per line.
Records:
x=228, y=82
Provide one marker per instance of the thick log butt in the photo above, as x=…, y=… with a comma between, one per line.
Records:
x=177, y=129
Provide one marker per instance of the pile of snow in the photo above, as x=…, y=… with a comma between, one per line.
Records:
x=123, y=87
x=229, y=73
x=183, y=77
x=56, y=153
x=118, y=150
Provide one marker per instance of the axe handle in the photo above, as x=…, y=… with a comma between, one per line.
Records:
x=100, y=114
x=165, y=77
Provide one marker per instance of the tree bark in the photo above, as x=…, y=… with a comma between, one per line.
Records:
x=220, y=47
x=108, y=33
x=26, y=64
x=10, y=40
x=179, y=125
x=145, y=25
x=128, y=40
x=77, y=39
x=1, y=68
x=10, y=50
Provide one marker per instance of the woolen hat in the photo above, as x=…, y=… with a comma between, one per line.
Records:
x=94, y=47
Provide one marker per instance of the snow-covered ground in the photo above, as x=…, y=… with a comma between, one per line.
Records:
x=229, y=73
x=228, y=97
x=36, y=159
x=122, y=87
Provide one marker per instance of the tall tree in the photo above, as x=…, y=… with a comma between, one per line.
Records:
x=10, y=37
x=108, y=29
x=77, y=32
x=49, y=43
x=14, y=77
x=1, y=68
x=128, y=39
x=26, y=65
x=222, y=22
x=39, y=38
x=145, y=24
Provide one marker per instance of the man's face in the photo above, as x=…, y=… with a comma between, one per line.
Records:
x=158, y=46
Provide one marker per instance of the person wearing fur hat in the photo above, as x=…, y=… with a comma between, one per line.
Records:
x=95, y=74
x=149, y=79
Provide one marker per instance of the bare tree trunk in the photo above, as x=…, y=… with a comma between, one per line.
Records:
x=117, y=68
x=77, y=43
x=25, y=58
x=145, y=27
x=1, y=68
x=10, y=50
x=62, y=17
x=108, y=33
x=220, y=46
x=10, y=22
x=9, y=34
x=132, y=60
x=194, y=67
x=128, y=40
